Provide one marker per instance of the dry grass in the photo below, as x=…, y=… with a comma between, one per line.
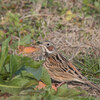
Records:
x=80, y=34
x=73, y=38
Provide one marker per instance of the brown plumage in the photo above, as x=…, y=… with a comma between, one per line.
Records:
x=59, y=68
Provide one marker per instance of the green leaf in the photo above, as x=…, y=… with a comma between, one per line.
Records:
x=15, y=85
x=30, y=62
x=37, y=72
x=64, y=91
x=85, y=98
x=14, y=45
x=45, y=77
x=4, y=53
x=13, y=65
x=10, y=89
x=52, y=97
x=30, y=83
x=1, y=80
x=85, y=2
x=25, y=40
x=97, y=5
x=21, y=98
x=18, y=81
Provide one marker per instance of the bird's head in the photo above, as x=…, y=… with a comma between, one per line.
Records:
x=48, y=47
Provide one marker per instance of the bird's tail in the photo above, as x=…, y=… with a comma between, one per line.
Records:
x=92, y=85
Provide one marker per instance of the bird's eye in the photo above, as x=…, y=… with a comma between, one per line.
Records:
x=48, y=44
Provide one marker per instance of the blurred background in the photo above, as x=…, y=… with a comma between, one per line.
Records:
x=73, y=26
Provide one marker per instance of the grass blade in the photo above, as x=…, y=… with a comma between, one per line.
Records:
x=4, y=52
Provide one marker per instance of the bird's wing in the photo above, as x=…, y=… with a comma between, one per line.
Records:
x=60, y=67
x=69, y=67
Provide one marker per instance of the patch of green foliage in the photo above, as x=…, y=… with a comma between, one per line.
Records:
x=18, y=72
x=91, y=6
x=20, y=75
x=12, y=24
x=89, y=64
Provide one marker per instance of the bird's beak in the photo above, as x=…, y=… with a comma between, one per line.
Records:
x=41, y=45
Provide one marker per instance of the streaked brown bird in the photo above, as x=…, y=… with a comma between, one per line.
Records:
x=59, y=68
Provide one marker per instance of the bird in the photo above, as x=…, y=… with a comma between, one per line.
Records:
x=59, y=68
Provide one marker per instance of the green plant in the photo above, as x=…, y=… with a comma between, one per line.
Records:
x=91, y=6
x=25, y=20
x=14, y=25
x=90, y=65
x=20, y=75
x=18, y=72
